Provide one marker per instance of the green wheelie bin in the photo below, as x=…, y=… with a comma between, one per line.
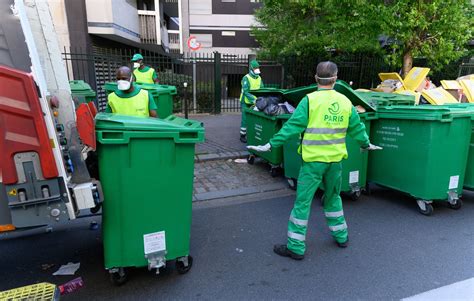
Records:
x=425, y=152
x=469, y=176
x=261, y=127
x=146, y=168
x=81, y=92
x=354, y=168
x=162, y=95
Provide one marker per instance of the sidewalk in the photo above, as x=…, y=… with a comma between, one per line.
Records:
x=222, y=137
x=216, y=174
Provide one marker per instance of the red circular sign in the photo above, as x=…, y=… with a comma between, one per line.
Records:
x=193, y=44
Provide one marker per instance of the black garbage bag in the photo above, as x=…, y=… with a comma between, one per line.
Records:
x=263, y=101
x=272, y=110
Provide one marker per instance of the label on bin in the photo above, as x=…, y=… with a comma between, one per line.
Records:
x=354, y=177
x=453, y=182
x=154, y=242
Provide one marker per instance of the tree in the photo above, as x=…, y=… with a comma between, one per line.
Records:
x=308, y=27
x=437, y=30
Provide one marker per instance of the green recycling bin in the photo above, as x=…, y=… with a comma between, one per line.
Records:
x=425, y=151
x=469, y=176
x=146, y=170
x=381, y=99
x=354, y=168
x=81, y=92
x=162, y=95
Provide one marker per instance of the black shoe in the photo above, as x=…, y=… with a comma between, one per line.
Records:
x=243, y=138
x=282, y=250
x=343, y=244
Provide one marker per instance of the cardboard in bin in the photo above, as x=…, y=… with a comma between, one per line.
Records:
x=468, y=89
x=454, y=88
x=414, y=81
x=438, y=96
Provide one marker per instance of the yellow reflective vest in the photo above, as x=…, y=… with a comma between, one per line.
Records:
x=255, y=84
x=144, y=77
x=132, y=106
x=324, y=140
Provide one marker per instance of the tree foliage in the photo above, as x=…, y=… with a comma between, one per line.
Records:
x=437, y=30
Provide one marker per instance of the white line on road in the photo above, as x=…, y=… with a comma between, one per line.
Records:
x=459, y=291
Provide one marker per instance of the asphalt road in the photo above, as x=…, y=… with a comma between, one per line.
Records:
x=394, y=253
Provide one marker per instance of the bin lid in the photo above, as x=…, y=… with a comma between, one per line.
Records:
x=438, y=96
x=378, y=99
x=159, y=89
x=80, y=87
x=422, y=112
x=116, y=122
x=344, y=88
x=154, y=88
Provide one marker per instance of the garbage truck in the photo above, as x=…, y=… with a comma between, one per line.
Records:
x=44, y=138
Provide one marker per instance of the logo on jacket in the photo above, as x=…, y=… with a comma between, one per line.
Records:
x=334, y=117
x=334, y=109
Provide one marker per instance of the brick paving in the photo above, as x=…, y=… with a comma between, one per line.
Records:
x=224, y=178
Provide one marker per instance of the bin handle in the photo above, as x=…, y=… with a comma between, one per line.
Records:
x=124, y=137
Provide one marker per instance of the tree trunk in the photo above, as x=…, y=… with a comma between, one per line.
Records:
x=407, y=63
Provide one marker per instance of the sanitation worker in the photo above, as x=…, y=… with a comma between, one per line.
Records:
x=129, y=99
x=251, y=81
x=143, y=74
x=324, y=117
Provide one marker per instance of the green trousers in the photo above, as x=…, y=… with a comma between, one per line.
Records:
x=243, y=122
x=310, y=177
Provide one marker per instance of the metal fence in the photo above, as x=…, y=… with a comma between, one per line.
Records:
x=210, y=82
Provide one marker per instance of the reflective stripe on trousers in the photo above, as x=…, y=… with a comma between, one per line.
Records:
x=338, y=227
x=334, y=214
x=296, y=236
x=298, y=222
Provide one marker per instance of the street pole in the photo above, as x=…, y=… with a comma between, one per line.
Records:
x=193, y=54
x=185, y=100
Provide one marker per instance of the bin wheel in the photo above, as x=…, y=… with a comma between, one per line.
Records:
x=367, y=190
x=118, y=278
x=275, y=171
x=292, y=183
x=181, y=268
x=457, y=205
x=425, y=208
x=251, y=159
x=355, y=195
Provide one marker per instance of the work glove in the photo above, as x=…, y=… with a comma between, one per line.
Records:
x=372, y=147
x=260, y=148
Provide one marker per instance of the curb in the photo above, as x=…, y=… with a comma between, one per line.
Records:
x=220, y=156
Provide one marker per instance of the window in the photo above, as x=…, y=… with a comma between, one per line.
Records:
x=228, y=33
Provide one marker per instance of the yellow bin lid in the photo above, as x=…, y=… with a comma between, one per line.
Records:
x=438, y=96
x=468, y=89
x=451, y=84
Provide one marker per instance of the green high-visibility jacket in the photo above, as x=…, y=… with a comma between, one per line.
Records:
x=323, y=123
x=248, y=83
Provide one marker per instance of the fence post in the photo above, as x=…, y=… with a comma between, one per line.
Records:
x=217, y=83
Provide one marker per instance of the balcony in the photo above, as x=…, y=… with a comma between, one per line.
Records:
x=152, y=32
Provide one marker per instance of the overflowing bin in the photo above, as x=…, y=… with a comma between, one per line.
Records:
x=146, y=169
x=81, y=92
x=425, y=151
x=354, y=168
x=261, y=127
x=162, y=95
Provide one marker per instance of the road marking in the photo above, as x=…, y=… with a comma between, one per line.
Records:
x=459, y=291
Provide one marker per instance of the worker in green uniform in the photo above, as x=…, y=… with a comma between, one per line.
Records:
x=251, y=81
x=129, y=99
x=143, y=74
x=324, y=117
